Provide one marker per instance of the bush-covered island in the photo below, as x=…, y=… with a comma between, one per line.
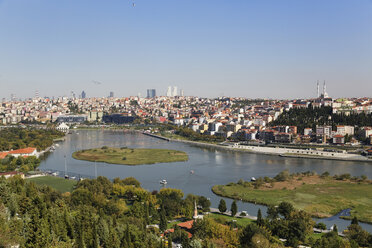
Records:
x=318, y=195
x=130, y=156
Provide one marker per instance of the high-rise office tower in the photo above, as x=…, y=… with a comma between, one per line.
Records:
x=175, y=93
x=111, y=94
x=83, y=94
x=317, y=88
x=151, y=93
x=169, y=91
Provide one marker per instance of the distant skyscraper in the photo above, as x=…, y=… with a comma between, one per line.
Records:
x=83, y=94
x=181, y=92
x=175, y=93
x=169, y=91
x=111, y=94
x=317, y=88
x=151, y=93
x=325, y=94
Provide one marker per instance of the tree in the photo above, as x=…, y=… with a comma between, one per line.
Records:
x=331, y=240
x=163, y=220
x=354, y=221
x=169, y=242
x=204, y=203
x=234, y=208
x=335, y=230
x=222, y=206
x=320, y=226
x=260, y=220
x=285, y=209
x=246, y=237
x=131, y=181
x=360, y=236
x=272, y=213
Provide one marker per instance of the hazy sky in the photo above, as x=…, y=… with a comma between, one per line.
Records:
x=249, y=48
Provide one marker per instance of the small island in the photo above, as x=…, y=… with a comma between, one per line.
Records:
x=319, y=195
x=130, y=156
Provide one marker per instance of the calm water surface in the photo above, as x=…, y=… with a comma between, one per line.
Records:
x=210, y=166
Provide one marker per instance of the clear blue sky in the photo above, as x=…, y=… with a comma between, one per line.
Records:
x=249, y=48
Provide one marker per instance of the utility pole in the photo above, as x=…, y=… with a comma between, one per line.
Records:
x=95, y=168
x=65, y=166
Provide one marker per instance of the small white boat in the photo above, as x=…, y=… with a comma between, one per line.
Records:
x=67, y=177
x=253, y=179
x=55, y=174
x=73, y=178
x=163, y=181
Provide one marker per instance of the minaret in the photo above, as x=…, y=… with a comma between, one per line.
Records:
x=195, y=211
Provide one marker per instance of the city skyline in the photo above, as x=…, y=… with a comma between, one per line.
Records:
x=255, y=49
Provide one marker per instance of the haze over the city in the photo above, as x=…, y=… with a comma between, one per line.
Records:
x=248, y=48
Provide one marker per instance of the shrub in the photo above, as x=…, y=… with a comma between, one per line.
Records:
x=104, y=147
x=320, y=226
x=325, y=174
x=282, y=176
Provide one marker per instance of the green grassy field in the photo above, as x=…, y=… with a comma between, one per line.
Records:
x=221, y=218
x=129, y=156
x=58, y=183
x=322, y=199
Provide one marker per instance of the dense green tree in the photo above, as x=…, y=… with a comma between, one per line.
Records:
x=170, y=242
x=285, y=209
x=360, y=236
x=222, y=206
x=260, y=220
x=331, y=240
x=354, y=221
x=234, y=208
x=163, y=219
x=248, y=233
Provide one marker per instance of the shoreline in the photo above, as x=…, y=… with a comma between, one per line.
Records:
x=255, y=202
x=274, y=151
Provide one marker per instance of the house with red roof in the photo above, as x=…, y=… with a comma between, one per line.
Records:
x=184, y=225
x=11, y=174
x=24, y=152
x=338, y=139
x=3, y=155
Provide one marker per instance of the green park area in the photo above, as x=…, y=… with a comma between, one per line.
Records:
x=130, y=156
x=58, y=183
x=226, y=219
x=320, y=196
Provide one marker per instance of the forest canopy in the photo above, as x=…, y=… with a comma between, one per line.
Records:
x=17, y=138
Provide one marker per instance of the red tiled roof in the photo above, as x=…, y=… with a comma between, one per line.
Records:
x=172, y=231
x=27, y=150
x=3, y=155
x=187, y=224
x=338, y=136
x=10, y=173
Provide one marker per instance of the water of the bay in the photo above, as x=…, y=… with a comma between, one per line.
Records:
x=210, y=166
